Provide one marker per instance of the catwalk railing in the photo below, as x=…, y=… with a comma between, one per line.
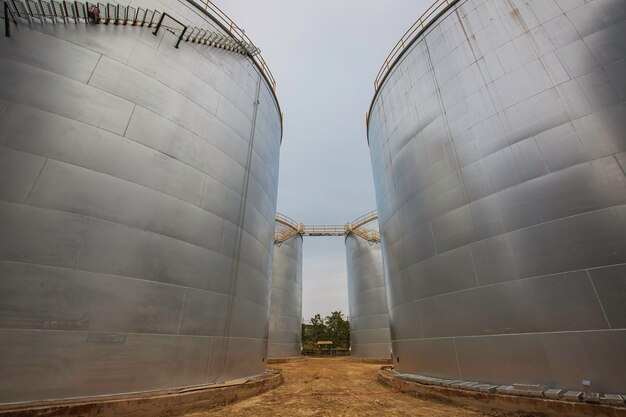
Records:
x=237, y=33
x=53, y=11
x=425, y=19
x=356, y=227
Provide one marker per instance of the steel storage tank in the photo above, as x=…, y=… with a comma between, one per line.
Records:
x=137, y=204
x=285, y=334
x=497, y=141
x=367, y=299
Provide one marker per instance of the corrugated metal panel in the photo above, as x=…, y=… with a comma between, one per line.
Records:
x=497, y=144
x=137, y=207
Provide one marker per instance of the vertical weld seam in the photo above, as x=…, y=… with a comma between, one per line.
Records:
x=458, y=16
x=598, y=298
x=210, y=360
x=623, y=168
x=224, y=231
x=458, y=364
x=541, y=155
x=129, y=119
x=242, y=217
x=182, y=309
x=36, y=181
x=459, y=170
x=83, y=243
x=203, y=189
x=432, y=235
x=473, y=265
x=419, y=317
x=94, y=69
x=396, y=208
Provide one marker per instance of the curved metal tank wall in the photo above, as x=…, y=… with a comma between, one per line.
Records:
x=367, y=299
x=137, y=204
x=285, y=335
x=497, y=144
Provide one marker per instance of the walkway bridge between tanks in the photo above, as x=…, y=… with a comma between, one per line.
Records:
x=355, y=227
x=55, y=12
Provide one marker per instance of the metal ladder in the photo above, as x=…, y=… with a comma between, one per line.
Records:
x=55, y=12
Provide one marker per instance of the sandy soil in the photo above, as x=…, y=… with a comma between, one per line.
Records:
x=334, y=387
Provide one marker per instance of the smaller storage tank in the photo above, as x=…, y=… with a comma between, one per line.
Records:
x=367, y=299
x=285, y=333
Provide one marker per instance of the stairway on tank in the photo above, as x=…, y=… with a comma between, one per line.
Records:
x=67, y=12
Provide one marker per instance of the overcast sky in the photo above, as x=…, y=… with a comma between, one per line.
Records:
x=324, y=55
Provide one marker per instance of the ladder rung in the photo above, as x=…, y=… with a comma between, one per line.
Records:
x=111, y=12
x=131, y=14
x=217, y=40
x=58, y=10
x=81, y=10
x=200, y=34
x=141, y=16
x=119, y=14
x=21, y=10
x=102, y=15
x=46, y=6
x=33, y=10
x=193, y=30
x=149, y=17
x=155, y=17
x=68, y=6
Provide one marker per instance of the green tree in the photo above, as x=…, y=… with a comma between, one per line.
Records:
x=335, y=328
x=318, y=329
x=313, y=332
x=338, y=330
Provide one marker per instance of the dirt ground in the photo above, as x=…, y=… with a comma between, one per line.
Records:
x=334, y=387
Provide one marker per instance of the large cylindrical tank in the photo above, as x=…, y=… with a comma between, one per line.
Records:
x=285, y=335
x=367, y=299
x=137, y=204
x=497, y=142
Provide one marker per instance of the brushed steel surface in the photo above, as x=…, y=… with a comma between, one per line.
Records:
x=285, y=335
x=497, y=144
x=367, y=299
x=138, y=189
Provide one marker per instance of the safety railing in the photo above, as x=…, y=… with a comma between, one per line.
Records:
x=287, y=221
x=63, y=10
x=324, y=230
x=183, y=27
x=356, y=227
x=406, y=39
x=364, y=219
x=7, y=21
x=238, y=33
x=369, y=235
x=293, y=228
x=280, y=237
x=55, y=11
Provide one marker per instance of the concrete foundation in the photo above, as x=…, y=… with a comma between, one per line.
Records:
x=497, y=404
x=150, y=404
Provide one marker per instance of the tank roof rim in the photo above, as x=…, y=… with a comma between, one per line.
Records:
x=271, y=84
x=397, y=59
